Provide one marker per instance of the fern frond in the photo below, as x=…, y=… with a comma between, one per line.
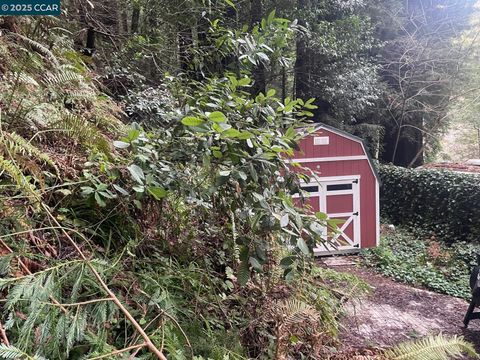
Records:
x=61, y=41
x=4, y=51
x=41, y=49
x=81, y=94
x=63, y=76
x=84, y=132
x=26, y=79
x=432, y=348
x=5, y=261
x=16, y=174
x=293, y=311
x=18, y=145
x=41, y=115
x=76, y=330
x=67, y=67
x=11, y=352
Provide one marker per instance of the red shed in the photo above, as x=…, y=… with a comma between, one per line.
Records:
x=345, y=187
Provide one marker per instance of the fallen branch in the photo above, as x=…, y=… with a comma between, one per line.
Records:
x=82, y=302
x=3, y=335
x=148, y=343
x=116, y=352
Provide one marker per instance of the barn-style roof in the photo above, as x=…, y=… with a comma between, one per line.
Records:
x=347, y=135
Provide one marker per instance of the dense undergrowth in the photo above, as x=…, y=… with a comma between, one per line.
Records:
x=422, y=261
x=181, y=240
x=167, y=233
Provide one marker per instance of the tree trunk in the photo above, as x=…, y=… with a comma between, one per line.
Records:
x=123, y=22
x=135, y=18
x=185, y=42
x=259, y=78
x=301, y=61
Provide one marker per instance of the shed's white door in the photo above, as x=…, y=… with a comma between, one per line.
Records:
x=340, y=199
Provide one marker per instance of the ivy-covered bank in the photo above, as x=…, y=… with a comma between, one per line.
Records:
x=440, y=203
x=424, y=262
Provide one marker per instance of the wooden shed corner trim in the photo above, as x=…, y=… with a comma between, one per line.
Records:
x=356, y=139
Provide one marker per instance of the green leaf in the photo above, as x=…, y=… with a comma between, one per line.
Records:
x=244, y=81
x=309, y=104
x=217, y=117
x=253, y=173
x=87, y=190
x=107, y=194
x=137, y=173
x=133, y=135
x=157, y=192
x=229, y=2
x=271, y=92
x=5, y=264
x=221, y=127
x=317, y=228
x=217, y=154
x=11, y=352
x=255, y=264
x=121, y=144
x=245, y=135
x=284, y=220
x=120, y=189
x=192, y=121
x=306, y=113
x=138, y=188
x=99, y=200
x=271, y=16
x=231, y=133
x=241, y=175
x=321, y=216
x=289, y=107
x=243, y=273
x=264, y=57
x=290, y=133
x=287, y=261
x=302, y=245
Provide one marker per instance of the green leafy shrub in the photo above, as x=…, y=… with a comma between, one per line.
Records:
x=189, y=227
x=431, y=264
x=441, y=203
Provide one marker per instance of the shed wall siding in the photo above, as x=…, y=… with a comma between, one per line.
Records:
x=368, y=209
x=338, y=146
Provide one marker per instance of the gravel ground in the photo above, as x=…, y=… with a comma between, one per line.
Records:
x=395, y=312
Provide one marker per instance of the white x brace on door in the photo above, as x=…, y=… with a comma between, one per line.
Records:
x=340, y=199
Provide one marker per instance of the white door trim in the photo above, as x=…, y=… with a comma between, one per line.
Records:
x=355, y=192
x=339, y=178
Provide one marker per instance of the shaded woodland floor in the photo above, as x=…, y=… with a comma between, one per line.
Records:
x=395, y=312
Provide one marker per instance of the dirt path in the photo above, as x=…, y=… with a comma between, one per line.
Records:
x=395, y=312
